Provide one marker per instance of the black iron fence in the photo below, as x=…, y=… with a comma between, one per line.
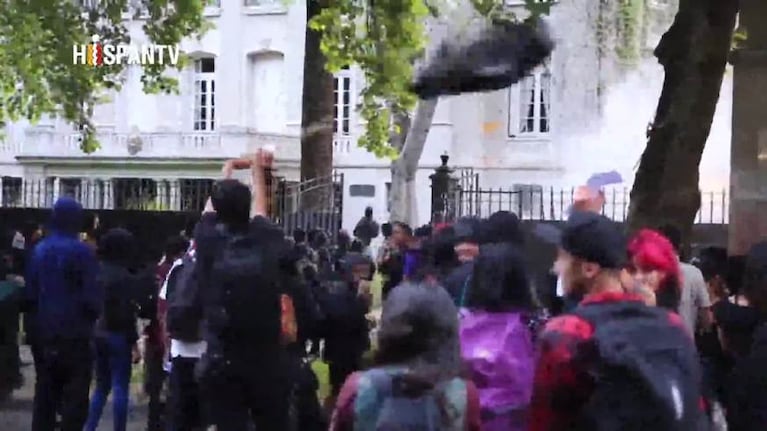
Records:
x=313, y=204
x=552, y=204
x=142, y=194
x=458, y=194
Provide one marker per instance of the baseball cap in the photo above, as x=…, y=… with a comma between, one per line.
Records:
x=589, y=236
x=467, y=229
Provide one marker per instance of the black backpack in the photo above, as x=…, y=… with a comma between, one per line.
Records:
x=645, y=368
x=185, y=312
x=250, y=285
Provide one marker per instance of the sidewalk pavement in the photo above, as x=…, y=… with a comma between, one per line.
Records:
x=16, y=413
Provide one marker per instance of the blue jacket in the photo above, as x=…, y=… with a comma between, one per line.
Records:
x=61, y=285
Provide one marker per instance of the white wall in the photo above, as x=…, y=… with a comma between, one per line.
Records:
x=259, y=59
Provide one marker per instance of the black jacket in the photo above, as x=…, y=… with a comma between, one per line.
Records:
x=121, y=297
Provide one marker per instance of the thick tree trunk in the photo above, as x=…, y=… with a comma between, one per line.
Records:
x=404, y=201
x=693, y=53
x=317, y=105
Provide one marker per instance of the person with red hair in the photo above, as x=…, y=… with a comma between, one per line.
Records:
x=654, y=266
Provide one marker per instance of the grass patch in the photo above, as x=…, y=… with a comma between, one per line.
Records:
x=322, y=372
x=376, y=288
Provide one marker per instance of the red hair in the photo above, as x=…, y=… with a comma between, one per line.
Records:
x=651, y=251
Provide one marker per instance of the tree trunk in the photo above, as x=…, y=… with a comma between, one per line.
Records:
x=317, y=105
x=693, y=53
x=404, y=201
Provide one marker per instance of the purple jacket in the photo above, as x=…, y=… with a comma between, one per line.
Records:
x=499, y=352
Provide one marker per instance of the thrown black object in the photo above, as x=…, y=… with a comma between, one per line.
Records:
x=497, y=58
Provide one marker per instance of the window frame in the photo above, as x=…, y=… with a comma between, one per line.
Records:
x=200, y=124
x=339, y=78
x=519, y=103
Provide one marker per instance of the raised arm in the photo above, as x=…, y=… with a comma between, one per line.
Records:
x=259, y=169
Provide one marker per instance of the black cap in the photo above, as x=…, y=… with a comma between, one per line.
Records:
x=467, y=229
x=591, y=237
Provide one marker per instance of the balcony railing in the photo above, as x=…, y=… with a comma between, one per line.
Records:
x=342, y=145
x=205, y=145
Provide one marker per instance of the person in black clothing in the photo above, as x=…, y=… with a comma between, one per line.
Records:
x=299, y=236
x=245, y=373
x=10, y=297
x=747, y=387
x=716, y=365
x=116, y=333
x=467, y=240
x=345, y=301
x=439, y=255
x=367, y=228
x=154, y=347
x=392, y=264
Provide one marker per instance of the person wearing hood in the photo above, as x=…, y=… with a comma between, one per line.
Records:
x=63, y=294
x=416, y=383
x=116, y=333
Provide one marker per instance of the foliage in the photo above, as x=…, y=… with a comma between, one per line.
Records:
x=384, y=38
x=630, y=24
x=37, y=74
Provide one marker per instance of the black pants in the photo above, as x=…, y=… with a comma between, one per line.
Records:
x=184, y=406
x=62, y=384
x=154, y=377
x=10, y=366
x=243, y=392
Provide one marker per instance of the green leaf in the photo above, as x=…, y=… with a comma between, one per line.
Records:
x=37, y=74
x=384, y=38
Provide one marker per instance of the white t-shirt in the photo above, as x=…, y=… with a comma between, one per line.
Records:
x=178, y=347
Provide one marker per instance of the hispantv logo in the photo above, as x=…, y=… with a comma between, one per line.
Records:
x=101, y=54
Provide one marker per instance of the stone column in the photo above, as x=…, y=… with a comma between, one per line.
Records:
x=56, y=189
x=175, y=195
x=748, y=159
x=35, y=196
x=84, y=197
x=26, y=192
x=95, y=197
x=109, y=198
x=162, y=194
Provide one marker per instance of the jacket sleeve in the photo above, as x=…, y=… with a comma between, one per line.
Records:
x=358, y=228
x=560, y=387
x=92, y=292
x=205, y=239
x=31, y=284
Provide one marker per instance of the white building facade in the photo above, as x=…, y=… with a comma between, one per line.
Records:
x=243, y=90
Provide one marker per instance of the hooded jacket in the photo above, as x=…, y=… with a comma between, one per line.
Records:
x=121, y=288
x=61, y=283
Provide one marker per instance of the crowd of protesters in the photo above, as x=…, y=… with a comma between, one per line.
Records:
x=236, y=312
